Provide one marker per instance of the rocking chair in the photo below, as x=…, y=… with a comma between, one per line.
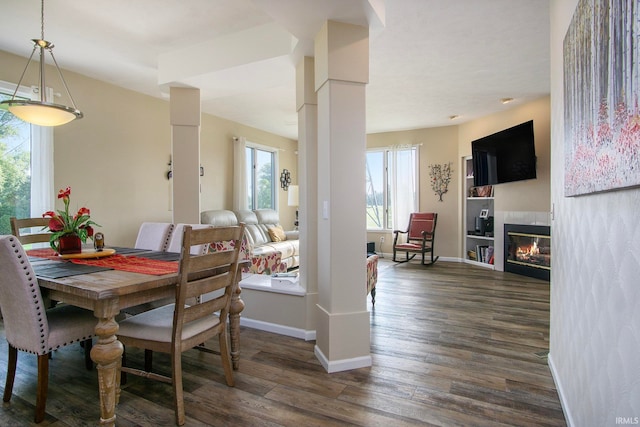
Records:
x=420, y=237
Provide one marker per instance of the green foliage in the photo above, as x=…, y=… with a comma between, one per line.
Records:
x=265, y=188
x=15, y=180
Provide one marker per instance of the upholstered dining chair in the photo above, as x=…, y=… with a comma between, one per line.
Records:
x=154, y=236
x=176, y=328
x=419, y=237
x=21, y=228
x=28, y=325
x=175, y=243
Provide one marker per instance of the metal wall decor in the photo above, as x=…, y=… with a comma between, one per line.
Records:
x=440, y=178
x=285, y=179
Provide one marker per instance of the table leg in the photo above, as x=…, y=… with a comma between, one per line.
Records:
x=237, y=305
x=107, y=354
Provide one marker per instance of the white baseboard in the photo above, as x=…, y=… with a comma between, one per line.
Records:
x=342, y=365
x=563, y=402
x=278, y=329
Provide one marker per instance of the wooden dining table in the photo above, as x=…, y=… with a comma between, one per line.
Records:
x=107, y=293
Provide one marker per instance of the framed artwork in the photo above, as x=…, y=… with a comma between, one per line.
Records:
x=601, y=97
x=484, y=213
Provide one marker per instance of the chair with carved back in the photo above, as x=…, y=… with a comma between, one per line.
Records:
x=28, y=325
x=420, y=237
x=22, y=229
x=176, y=328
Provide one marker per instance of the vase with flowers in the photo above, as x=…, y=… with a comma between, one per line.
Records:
x=69, y=232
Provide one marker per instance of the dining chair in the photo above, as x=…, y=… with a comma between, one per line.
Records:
x=21, y=228
x=154, y=236
x=28, y=326
x=175, y=243
x=176, y=328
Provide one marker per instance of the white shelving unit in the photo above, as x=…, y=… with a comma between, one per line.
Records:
x=473, y=206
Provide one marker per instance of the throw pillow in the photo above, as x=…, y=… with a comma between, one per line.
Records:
x=277, y=234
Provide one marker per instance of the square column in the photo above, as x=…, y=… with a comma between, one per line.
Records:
x=307, y=107
x=185, y=154
x=341, y=75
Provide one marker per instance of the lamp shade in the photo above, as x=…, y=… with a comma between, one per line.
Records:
x=293, y=195
x=42, y=113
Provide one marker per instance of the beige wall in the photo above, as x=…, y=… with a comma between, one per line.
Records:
x=116, y=158
x=436, y=146
x=530, y=195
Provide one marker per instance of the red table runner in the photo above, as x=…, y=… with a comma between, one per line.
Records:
x=132, y=264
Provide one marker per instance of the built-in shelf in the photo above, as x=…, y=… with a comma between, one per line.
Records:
x=474, y=206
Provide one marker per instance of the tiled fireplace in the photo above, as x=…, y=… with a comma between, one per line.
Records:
x=527, y=250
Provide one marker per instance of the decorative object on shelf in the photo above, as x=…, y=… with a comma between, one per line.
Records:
x=602, y=126
x=285, y=179
x=292, y=200
x=42, y=112
x=440, y=178
x=484, y=191
x=68, y=231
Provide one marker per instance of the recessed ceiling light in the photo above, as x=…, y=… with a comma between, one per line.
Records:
x=506, y=100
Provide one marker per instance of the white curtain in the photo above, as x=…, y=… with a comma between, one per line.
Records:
x=42, y=190
x=240, y=196
x=404, y=186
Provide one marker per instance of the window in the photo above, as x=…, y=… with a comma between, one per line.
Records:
x=261, y=173
x=392, y=187
x=26, y=165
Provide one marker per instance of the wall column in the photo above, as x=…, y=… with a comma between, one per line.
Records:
x=185, y=154
x=341, y=75
x=307, y=107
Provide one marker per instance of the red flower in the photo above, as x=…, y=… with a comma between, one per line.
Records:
x=55, y=224
x=64, y=194
x=84, y=211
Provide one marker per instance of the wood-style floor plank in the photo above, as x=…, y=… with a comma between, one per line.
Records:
x=451, y=344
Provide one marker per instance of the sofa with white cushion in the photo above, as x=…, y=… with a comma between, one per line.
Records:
x=268, y=246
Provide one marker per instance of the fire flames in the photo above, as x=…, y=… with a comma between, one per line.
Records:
x=528, y=250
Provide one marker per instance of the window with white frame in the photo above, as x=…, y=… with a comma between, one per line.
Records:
x=261, y=177
x=26, y=164
x=392, y=187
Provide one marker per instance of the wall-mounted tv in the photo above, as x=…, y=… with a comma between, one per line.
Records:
x=505, y=156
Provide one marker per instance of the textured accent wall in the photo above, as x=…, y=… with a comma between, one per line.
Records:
x=595, y=281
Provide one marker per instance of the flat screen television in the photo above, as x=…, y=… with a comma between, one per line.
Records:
x=505, y=156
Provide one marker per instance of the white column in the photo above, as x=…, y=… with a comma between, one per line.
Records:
x=185, y=154
x=341, y=75
x=307, y=107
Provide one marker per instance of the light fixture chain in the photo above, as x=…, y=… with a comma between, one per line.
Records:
x=41, y=19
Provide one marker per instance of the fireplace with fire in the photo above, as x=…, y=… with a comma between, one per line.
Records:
x=527, y=250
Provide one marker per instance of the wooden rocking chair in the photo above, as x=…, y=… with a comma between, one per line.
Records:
x=420, y=237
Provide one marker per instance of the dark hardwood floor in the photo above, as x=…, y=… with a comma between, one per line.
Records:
x=452, y=345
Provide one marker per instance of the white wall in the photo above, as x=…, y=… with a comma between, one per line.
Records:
x=595, y=285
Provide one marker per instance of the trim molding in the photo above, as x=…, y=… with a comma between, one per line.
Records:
x=563, y=401
x=342, y=365
x=278, y=329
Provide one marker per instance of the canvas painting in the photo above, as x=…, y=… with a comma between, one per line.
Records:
x=601, y=105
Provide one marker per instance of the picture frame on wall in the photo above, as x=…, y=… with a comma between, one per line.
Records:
x=601, y=104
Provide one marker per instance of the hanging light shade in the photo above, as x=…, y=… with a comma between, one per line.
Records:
x=41, y=112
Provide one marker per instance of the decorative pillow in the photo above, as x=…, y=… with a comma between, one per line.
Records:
x=277, y=234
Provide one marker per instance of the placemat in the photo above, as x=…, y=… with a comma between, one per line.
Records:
x=56, y=270
x=133, y=264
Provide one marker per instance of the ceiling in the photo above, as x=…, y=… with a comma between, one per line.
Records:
x=429, y=59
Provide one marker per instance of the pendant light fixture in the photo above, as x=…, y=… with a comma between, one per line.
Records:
x=42, y=112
